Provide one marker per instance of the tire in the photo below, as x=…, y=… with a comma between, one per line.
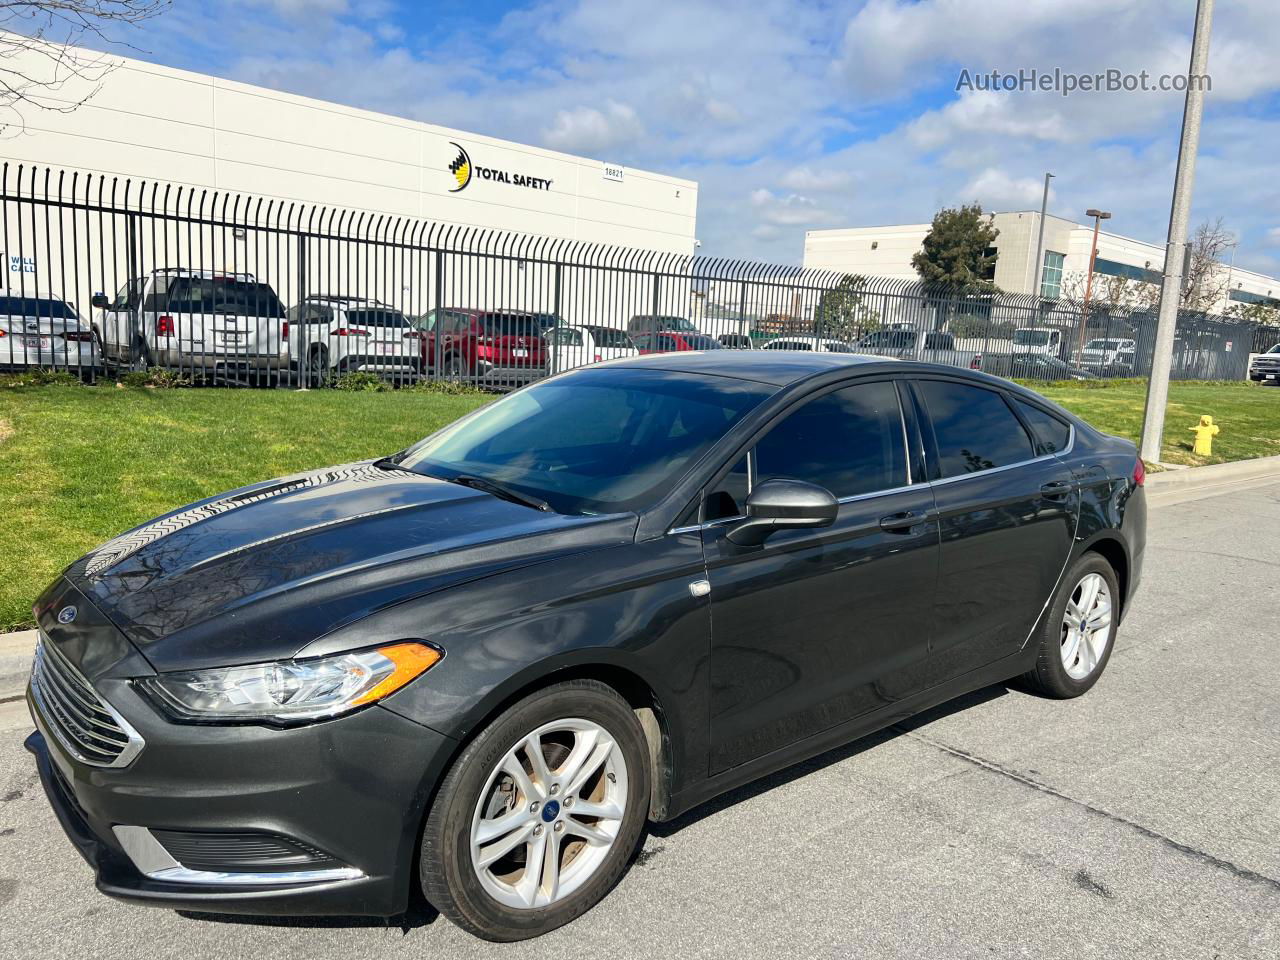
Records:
x=483, y=900
x=1052, y=675
x=455, y=367
x=316, y=373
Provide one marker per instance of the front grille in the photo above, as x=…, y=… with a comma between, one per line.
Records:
x=83, y=722
x=242, y=852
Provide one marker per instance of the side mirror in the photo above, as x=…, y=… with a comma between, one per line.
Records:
x=100, y=301
x=784, y=505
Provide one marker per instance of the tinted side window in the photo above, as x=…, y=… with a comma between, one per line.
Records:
x=975, y=428
x=849, y=441
x=1051, y=434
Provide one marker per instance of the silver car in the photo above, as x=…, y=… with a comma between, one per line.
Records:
x=45, y=332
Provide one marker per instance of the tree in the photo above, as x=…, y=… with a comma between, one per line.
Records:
x=959, y=250
x=843, y=312
x=40, y=52
x=1112, y=293
x=1205, y=283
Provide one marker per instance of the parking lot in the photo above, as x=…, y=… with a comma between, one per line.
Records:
x=1141, y=820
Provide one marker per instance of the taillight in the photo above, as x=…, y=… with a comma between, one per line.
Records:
x=598, y=358
x=1139, y=473
x=976, y=362
x=284, y=330
x=3, y=333
x=350, y=332
x=164, y=326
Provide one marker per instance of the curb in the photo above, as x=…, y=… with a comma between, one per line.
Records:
x=1196, y=477
x=15, y=662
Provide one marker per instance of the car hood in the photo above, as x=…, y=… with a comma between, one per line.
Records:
x=260, y=572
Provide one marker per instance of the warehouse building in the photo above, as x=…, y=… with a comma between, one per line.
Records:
x=887, y=252
x=160, y=124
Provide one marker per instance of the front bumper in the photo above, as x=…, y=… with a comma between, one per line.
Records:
x=354, y=788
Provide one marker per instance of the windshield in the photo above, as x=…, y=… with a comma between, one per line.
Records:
x=511, y=324
x=1031, y=338
x=700, y=341
x=594, y=441
x=35, y=307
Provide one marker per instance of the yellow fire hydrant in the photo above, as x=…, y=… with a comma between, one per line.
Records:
x=1205, y=432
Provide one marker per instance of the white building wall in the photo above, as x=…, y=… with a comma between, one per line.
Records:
x=156, y=123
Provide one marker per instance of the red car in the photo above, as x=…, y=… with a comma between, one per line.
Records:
x=500, y=346
x=672, y=342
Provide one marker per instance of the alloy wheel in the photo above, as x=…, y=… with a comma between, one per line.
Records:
x=1086, y=626
x=549, y=814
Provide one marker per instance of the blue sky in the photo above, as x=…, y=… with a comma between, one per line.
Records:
x=796, y=115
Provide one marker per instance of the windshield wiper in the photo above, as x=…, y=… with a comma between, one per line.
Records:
x=500, y=491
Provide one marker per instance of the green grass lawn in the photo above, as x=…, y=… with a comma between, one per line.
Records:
x=1248, y=414
x=78, y=465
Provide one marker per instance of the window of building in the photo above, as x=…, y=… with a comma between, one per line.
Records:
x=1051, y=277
x=974, y=428
x=1244, y=296
x=849, y=441
x=1110, y=268
x=988, y=271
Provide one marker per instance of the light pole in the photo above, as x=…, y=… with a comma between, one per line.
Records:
x=1098, y=217
x=1179, y=214
x=1044, y=206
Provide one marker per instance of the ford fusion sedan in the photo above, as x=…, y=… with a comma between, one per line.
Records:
x=478, y=666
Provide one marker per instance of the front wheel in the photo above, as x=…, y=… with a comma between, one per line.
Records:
x=1079, y=630
x=537, y=819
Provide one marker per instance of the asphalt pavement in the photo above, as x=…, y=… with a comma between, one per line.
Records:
x=1142, y=820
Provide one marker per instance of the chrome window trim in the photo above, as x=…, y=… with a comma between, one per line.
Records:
x=840, y=500
x=134, y=741
x=1071, y=443
x=154, y=861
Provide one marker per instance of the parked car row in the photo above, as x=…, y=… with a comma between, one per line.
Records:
x=227, y=324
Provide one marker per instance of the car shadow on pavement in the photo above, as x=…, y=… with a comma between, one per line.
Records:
x=824, y=760
x=419, y=914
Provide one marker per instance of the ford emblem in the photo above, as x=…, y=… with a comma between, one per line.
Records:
x=67, y=614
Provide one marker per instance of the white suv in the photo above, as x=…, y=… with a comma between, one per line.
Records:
x=332, y=334
x=201, y=321
x=1109, y=355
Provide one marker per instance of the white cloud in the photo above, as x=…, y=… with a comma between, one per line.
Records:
x=792, y=114
x=588, y=130
x=997, y=190
x=816, y=181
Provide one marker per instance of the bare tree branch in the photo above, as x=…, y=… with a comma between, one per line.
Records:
x=1206, y=281
x=41, y=55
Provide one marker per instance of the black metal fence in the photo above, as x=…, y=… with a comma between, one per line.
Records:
x=105, y=275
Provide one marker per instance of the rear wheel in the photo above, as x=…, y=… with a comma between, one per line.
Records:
x=538, y=818
x=317, y=372
x=455, y=367
x=1079, y=630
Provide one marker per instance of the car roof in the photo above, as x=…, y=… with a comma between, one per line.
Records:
x=777, y=367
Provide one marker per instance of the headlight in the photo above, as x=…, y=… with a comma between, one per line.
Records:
x=291, y=690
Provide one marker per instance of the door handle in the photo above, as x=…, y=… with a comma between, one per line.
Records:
x=1057, y=490
x=899, y=522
